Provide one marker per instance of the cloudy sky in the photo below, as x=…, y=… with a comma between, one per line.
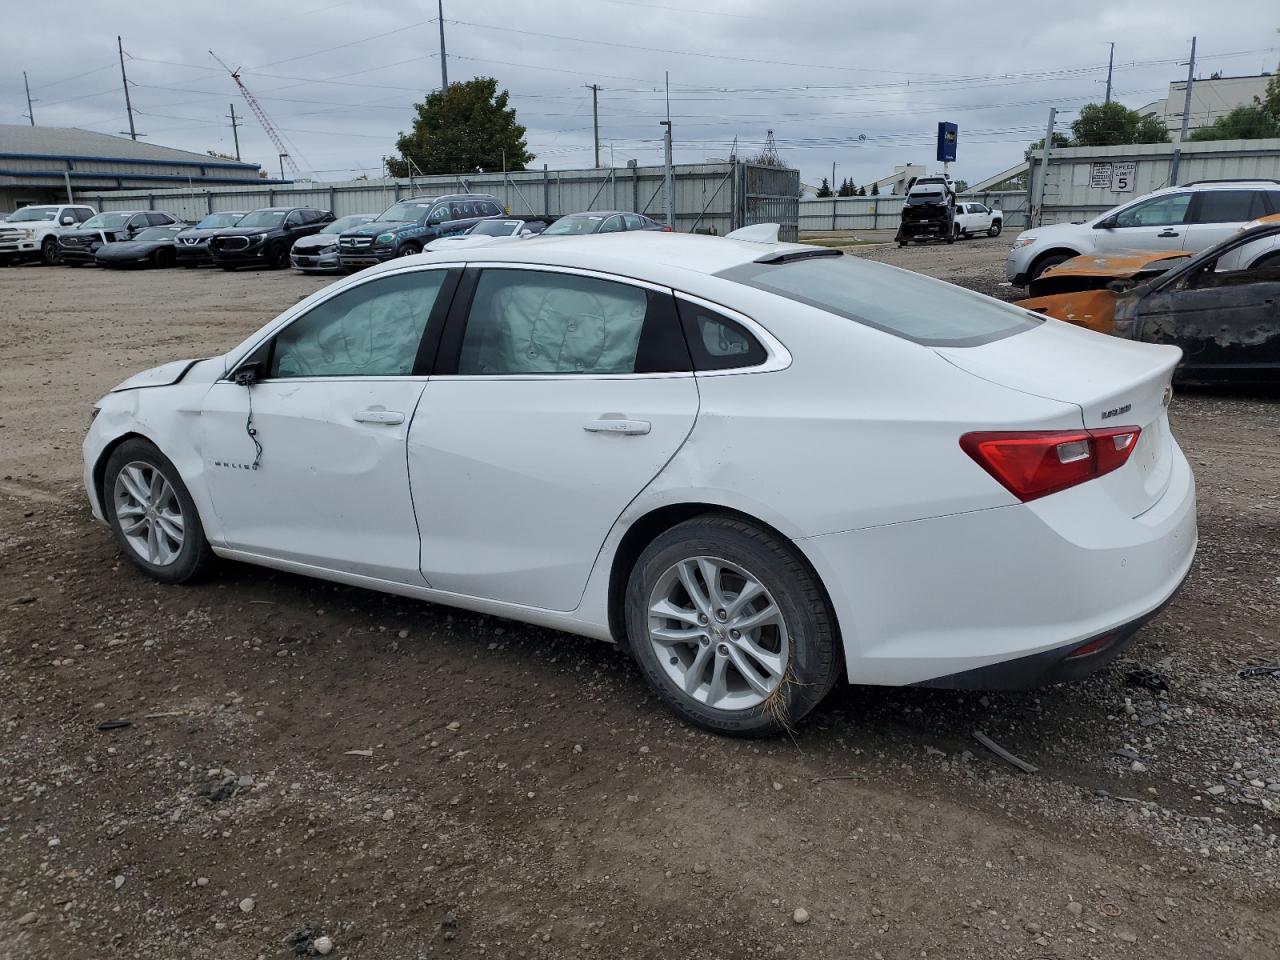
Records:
x=862, y=84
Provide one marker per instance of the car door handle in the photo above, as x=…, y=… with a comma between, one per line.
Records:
x=607, y=424
x=377, y=415
x=1168, y=233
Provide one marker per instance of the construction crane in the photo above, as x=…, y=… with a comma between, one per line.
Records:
x=261, y=114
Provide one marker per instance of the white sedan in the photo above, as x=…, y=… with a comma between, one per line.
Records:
x=489, y=231
x=759, y=467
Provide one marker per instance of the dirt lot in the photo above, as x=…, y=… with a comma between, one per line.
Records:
x=519, y=793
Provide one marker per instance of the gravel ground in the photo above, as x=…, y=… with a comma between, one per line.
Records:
x=313, y=767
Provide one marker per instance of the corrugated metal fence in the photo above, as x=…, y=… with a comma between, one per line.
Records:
x=1085, y=181
x=884, y=212
x=709, y=197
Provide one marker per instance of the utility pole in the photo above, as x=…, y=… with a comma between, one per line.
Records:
x=128, y=104
x=668, y=186
x=595, y=116
x=832, y=182
x=235, y=129
x=30, y=113
x=282, y=159
x=1111, y=62
x=444, y=60
x=1186, y=102
x=1044, y=167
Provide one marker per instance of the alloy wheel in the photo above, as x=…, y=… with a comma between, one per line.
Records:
x=149, y=513
x=718, y=633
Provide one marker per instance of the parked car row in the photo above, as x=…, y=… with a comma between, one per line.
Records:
x=304, y=238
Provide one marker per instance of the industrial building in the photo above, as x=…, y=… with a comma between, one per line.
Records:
x=1211, y=99
x=57, y=164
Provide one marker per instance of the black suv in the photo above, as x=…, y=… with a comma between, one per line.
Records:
x=264, y=237
x=408, y=226
x=81, y=245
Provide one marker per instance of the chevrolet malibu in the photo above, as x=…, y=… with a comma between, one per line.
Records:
x=761, y=468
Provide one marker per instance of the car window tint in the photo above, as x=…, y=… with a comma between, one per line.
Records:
x=530, y=322
x=1228, y=206
x=612, y=225
x=372, y=330
x=716, y=342
x=491, y=209
x=899, y=302
x=293, y=220
x=635, y=221
x=1157, y=212
x=138, y=221
x=440, y=214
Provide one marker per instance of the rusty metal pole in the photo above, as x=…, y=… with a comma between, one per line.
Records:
x=1044, y=167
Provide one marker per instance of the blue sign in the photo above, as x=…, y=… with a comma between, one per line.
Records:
x=948, y=134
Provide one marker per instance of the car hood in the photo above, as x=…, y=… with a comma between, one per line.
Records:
x=380, y=226
x=1053, y=231
x=1122, y=264
x=452, y=243
x=242, y=231
x=203, y=233
x=317, y=241
x=131, y=248
x=161, y=376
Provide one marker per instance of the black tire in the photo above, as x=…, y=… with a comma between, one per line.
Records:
x=408, y=250
x=50, y=255
x=72, y=263
x=995, y=228
x=164, y=258
x=814, y=657
x=902, y=243
x=195, y=554
x=955, y=233
x=1044, y=263
x=230, y=268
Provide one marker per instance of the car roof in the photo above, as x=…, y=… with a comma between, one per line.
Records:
x=1261, y=184
x=597, y=213
x=639, y=254
x=449, y=196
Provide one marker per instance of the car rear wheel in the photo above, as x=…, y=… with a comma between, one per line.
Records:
x=408, y=250
x=50, y=255
x=152, y=514
x=731, y=627
x=995, y=228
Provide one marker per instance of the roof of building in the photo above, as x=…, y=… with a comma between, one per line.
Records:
x=23, y=140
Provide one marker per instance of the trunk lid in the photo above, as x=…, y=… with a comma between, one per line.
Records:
x=1114, y=382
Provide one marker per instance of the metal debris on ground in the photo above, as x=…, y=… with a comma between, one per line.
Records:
x=1145, y=677
x=114, y=724
x=1269, y=670
x=1004, y=754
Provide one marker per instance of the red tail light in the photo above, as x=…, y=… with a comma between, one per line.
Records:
x=1035, y=463
x=666, y=229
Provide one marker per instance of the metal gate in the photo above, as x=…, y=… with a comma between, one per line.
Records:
x=769, y=195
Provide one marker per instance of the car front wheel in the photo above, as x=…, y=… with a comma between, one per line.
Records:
x=994, y=229
x=50, y=255
x=152, y=514
x=731, y=627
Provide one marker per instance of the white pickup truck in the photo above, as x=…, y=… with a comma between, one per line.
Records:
x=32, y=232
x=974, y=218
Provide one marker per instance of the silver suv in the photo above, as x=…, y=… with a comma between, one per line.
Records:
x=1191, y=217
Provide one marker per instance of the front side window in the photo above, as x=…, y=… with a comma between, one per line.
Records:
x=372, y=330
x=1157, y=212
x=139, y=221
x=1230, y=206
x=899, y=302
x=293, y=220
x=534, y=322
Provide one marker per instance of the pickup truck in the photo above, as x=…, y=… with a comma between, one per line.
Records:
x=973, y=218
x=32, y=232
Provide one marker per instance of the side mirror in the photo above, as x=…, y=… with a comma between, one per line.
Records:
x=1106, y=223
x=247, y=375
x=67, y=220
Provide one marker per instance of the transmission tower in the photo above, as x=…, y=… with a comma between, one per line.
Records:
x=770, y=153
x=261, y=114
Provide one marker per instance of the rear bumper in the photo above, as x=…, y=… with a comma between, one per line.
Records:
x=1002, y=596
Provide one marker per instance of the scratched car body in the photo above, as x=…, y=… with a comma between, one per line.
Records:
x=760, y=467
x=1221, y=307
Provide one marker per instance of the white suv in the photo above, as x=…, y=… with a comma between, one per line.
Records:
x=1190, y=217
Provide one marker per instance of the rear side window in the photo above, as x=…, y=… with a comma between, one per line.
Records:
x=716, y=342
x=1230, y=206
x=490, y=209
x=899, y=302
x=533, y=322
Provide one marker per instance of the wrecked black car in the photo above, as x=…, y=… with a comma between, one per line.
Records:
x=1227, y=321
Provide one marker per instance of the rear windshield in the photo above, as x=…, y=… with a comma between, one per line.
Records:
x=899, y=302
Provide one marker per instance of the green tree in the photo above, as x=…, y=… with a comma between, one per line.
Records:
x=1112, y=124
x=962, y=186
x=1059, y=140
x=461, y=129
x=1242, y=123
x=862, y=192
x=875, y=190
x=1270, y=101
x=824, y=191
